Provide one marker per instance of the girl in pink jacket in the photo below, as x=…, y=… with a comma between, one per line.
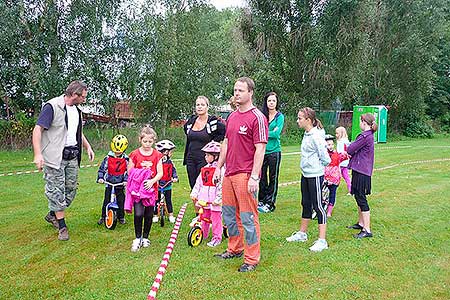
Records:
x=206, y=190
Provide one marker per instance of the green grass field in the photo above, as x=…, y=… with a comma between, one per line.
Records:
x=408, y=258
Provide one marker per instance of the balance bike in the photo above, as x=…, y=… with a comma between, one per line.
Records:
x=112, y=207
x=162, y=208
x=195, y=235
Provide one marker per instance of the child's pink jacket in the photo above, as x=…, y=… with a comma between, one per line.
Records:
x=136, y=191
x=332, y=172
x=209, y=194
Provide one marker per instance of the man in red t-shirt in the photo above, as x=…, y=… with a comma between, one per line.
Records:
x=242, y=153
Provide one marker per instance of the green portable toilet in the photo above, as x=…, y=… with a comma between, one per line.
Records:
x=380, y=113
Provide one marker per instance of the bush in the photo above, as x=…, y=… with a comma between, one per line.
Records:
x=100, y=135
x=292, y=134
x=419, y=129
x=16, y=134
x=445, y=122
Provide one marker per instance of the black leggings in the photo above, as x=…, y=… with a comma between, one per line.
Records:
x=142, y=212
x=268, y=186
x=193, y=167
x=312, y=198
x=168, y=200
x=361, y=186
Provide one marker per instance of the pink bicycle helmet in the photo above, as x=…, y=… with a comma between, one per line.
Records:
x=212, y=147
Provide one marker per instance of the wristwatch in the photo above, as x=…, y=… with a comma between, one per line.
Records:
x=254, y=177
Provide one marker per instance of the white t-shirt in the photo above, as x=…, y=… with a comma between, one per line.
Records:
x=341, y=146
x=72, y=125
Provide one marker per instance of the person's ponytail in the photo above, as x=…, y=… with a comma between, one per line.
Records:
x=374, y=127
x=318, y=124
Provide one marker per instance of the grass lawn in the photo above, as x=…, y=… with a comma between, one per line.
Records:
x=408, y=257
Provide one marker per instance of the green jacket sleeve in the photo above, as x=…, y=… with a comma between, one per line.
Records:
x=276, y=126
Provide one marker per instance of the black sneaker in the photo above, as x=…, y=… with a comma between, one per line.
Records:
x=122, y=221
x=228, y=255
x=363, y=234
x=355, y=226
x=247, y=268
x=100, y=221
x=52, y=220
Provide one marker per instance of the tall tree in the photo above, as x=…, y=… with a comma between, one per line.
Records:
x=46, y=44
x=354, y=52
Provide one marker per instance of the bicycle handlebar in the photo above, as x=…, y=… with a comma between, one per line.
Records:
x=163, y=186
x=114, y=184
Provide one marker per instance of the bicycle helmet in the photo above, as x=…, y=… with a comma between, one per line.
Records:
x=165, y=145
x=329, y=137
x=212, y=147
x=119, y=143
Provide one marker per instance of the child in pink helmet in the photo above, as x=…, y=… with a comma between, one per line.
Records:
x=211, y=192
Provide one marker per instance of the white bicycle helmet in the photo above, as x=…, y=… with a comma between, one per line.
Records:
x=165, y=145
x=212, y=147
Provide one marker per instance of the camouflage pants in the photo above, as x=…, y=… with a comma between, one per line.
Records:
x=61, y=184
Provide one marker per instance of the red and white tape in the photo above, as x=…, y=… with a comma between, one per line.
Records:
x=18, y=173
x=165, y=261
x=37, y=171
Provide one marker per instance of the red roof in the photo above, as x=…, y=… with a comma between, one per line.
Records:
x=123, y=110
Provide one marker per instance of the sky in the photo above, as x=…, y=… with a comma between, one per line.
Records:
x=221, y=4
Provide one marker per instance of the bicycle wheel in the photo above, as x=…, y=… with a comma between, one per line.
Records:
x=225, y=232
x=161, y=215
x=195, y=236
x=111, y=219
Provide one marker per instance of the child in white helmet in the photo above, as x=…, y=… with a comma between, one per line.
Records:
x=211, y=192
x=166, y=147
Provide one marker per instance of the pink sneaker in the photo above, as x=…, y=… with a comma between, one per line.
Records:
x=214, y=243
x=330, y=210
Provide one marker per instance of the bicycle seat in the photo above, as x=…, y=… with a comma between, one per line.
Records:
x=202, y=203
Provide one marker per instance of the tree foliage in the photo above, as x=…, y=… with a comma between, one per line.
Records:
x=162, y=54
x=334, y=53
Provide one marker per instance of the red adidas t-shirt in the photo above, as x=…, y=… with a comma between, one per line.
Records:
x=244, y=130
x=146, y=161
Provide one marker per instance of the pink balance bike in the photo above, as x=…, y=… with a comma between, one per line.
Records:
x=195, y=235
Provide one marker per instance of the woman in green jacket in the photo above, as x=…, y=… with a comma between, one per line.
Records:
x=268, y=186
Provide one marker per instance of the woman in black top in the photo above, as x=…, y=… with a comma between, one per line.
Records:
x=200, y=129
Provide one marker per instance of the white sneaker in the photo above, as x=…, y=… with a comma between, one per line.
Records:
x=136, y=245
x=264, y=209
x=145, y=243
x=298, y=237
x=155, y=219
x=214, y=243
x=172, y=219
x=319, y=245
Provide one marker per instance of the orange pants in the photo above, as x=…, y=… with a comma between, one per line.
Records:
x=239, y=209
